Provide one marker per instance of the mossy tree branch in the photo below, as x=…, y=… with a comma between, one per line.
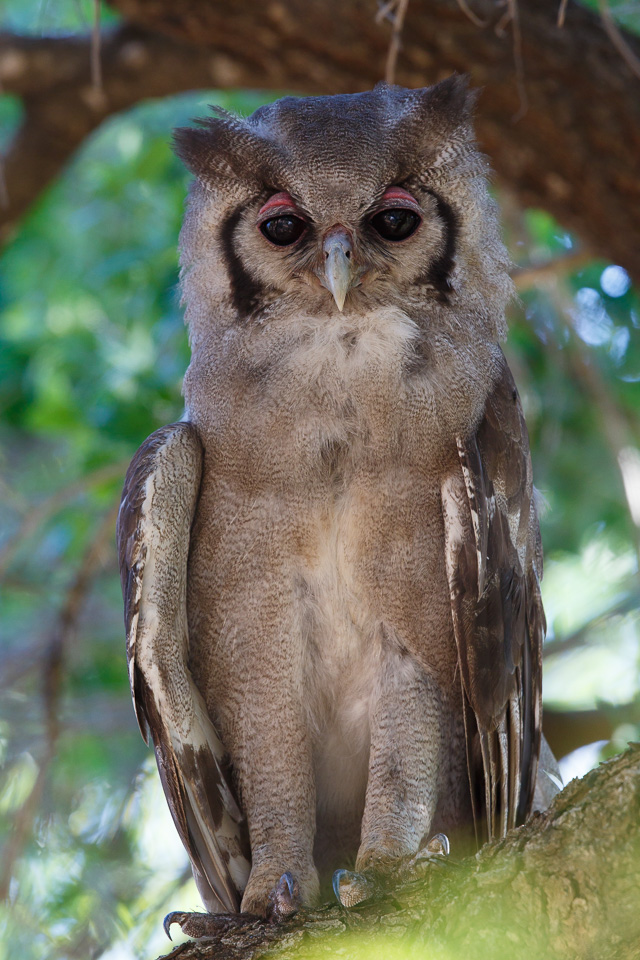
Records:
x=562, y=886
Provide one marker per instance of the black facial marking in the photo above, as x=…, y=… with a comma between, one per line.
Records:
x=439, y=273
x=246, y=294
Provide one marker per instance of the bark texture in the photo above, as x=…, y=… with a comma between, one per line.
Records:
x=562, y=887
x=559, y=116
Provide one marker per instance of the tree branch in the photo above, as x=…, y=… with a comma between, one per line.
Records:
x=574, y=152
x=562, y=887
x=567, y=730
x=532, y=275
x=626, y=603
x=63, y=106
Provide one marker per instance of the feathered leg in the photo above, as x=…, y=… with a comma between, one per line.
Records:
x=408, y=742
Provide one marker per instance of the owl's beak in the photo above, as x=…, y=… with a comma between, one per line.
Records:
x=339, y=273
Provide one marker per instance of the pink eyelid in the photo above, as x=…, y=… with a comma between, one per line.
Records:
x=282, y=202
x=397, y=196
x=397, y=193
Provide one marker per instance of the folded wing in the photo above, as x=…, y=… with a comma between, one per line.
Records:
x=154, y=523
x=494, y=567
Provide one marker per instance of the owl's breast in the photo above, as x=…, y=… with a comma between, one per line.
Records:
x=373, y=585
x=298, y=400
x=341, y=651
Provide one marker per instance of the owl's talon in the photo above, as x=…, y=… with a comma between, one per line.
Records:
x=284, y=899
x=435, y=849
x=168, y=920
x=352, y=888
x=199, y=925
x=437, y=846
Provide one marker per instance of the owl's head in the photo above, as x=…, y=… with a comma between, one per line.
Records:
x=344, y=202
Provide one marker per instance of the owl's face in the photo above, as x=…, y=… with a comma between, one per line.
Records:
x=342, y=253
x=342, y=202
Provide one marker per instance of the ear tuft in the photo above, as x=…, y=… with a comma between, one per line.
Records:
x=452, y=97
x=193, y=145
x=224, y=146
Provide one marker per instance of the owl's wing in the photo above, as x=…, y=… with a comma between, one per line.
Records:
x=494, y=566
x=154, y=523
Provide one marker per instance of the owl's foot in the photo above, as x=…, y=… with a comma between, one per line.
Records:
x=199, y=925
x=283, y=902
x=284, y=899
x=437, y=846
x=352, y=888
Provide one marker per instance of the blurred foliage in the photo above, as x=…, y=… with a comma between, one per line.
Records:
x=625, y=12
x=92, y=352
x=54, y=17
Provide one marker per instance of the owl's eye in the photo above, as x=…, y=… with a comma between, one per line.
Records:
x=395, y=224
x=283, y=230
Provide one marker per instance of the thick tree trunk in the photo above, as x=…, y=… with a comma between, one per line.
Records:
x=562, y=887
x=559, y=116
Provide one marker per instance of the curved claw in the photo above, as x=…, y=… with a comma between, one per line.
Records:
x=438, y=846
x=174, y=917
x=352, y=888
x=284, y=899
x=201, y=925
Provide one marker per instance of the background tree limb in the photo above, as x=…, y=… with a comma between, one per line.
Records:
x=573, y=149
x=62, y=105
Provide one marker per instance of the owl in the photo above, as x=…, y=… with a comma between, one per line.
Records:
x=331, y=566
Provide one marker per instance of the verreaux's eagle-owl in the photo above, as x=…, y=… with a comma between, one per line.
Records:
x=331, y=566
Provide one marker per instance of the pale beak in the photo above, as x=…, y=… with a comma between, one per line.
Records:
x=339, y=272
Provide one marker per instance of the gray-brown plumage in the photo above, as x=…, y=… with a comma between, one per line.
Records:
x=331, y=567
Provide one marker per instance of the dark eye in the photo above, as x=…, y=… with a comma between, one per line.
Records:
x=395, y=224
x=283, y=230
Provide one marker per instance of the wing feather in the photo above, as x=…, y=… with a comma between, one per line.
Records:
x=493, y=559
x=158, y=504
